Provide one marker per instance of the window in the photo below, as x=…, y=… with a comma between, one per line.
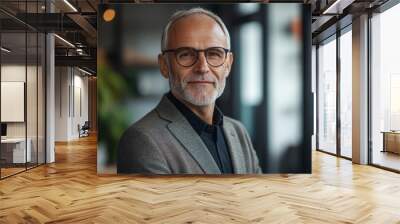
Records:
x=385, y=88
x=327, y=97
x=346, y=94
x=250, y=72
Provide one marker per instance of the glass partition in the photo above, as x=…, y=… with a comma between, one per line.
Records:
x=14, y=153
x=22, y=91
x=327, y=96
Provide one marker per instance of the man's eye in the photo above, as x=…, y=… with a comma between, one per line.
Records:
x=184, y=54
x=214, y=54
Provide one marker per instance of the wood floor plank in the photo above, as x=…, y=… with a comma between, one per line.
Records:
x=70, y=191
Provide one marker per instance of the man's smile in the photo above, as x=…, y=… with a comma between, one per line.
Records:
x=200, y=82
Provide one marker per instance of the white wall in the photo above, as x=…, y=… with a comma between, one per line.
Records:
x=61, y=103
x=79, y=110
x=71, y=94
x=13, y=73
x=16, y=73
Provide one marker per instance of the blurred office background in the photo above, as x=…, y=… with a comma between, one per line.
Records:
x=268, y=90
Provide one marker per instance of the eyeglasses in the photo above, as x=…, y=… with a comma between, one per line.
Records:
x=187, y=56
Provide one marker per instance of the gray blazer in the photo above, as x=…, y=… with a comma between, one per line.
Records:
x=164, y=142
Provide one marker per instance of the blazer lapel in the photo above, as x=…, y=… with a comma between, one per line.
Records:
x=187, y=136
x=192, y=142
x=234, y=148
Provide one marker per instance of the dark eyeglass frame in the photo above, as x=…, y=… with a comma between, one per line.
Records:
x=197, y=54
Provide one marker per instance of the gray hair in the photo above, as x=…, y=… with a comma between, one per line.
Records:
x=185, y=13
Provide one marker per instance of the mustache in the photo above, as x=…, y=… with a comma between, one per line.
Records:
x=196, y=78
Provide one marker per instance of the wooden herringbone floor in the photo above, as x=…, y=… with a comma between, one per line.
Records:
x=69, y=191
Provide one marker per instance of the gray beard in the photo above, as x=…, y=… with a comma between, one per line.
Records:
x=201, y=98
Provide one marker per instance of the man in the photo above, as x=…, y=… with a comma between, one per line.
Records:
x=186, y=133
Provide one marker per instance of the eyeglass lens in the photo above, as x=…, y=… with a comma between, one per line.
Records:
x=188, y=56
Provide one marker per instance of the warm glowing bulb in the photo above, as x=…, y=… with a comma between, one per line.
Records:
x=109, y=15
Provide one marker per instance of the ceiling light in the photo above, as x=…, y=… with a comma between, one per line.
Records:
x=84, y=71
x=64, y=40
x=5, y=49
x=109, y=15
x=329, y=9
x=70, y=5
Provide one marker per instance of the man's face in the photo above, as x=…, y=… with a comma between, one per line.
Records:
x=200, y=84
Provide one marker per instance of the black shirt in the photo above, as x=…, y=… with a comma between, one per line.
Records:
x=212, y=135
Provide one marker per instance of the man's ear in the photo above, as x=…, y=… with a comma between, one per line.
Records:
x=162, y=62
x=229, y=62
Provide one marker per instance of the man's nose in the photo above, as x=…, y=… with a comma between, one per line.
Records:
x=201, y=65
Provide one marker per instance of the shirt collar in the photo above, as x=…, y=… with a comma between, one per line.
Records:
x=197, y=123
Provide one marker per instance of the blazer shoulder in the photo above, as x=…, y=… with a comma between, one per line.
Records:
x=151, y=121
x=235, y=123
x=140, y=152
x=147, y=128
